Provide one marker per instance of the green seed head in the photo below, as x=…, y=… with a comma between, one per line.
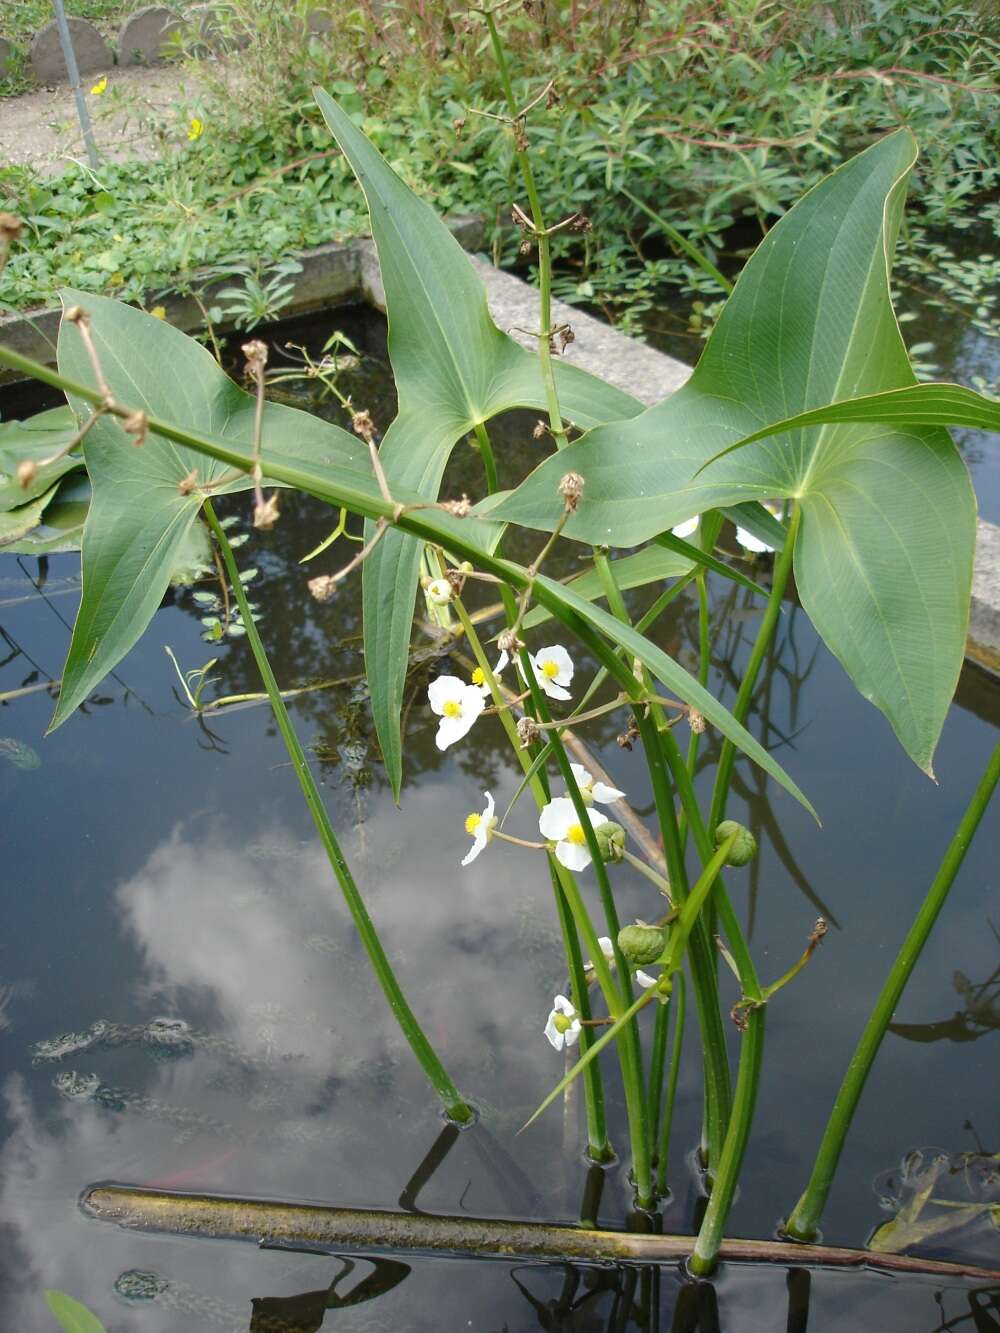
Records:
x=744, y=849
x=611, y=840
x=641, y=943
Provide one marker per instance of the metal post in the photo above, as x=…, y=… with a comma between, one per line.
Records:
x=69, y=55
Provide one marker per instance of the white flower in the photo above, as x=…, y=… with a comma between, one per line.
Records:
x=553, y=670
x=644, y=979
x=439, y=591
x=686, y=528
x=592, y=791
x=479, y=828
x=457, y=705
x=558, y=823
x=563, y=1027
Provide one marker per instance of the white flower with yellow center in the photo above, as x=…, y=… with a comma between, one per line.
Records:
x=563, y=1027
x=592, y=791
x=553, y=670
x=457, y=705
x=480, y=829
x=686, y=528
x=439, y=591
x=559, y=823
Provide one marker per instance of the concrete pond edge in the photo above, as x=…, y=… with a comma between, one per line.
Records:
x=342, y=273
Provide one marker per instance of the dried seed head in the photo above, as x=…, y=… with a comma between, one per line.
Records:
x=526, y=246
x=362, y=424
x=265, y=513
x=189, y=483
x=458, y=508
x=458, y=125
x=255, y=352
x=581, y=223
x=27, y=471
x=75, y=314
x=520, y=138
x=136, y=424
x=571, y=488
x=624, y=741
x=509, y=643
x=551, y=97
x=539, y=431
x=566, y=336
x=696, y=721
x=527, y=731
x=740, y=1017
x=323, y=587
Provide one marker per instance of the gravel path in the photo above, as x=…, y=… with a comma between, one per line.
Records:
x=40, y=128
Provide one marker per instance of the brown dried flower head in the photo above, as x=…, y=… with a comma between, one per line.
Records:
x=265, y=513
x=255, y=352
x=362, y=424
x=509, y=643
x=696, y=721
x=527, y=731
x=136, y=424
x=187, y=485
x=571, y=488
x=458, y=508
x=322, y=587
x=539, y=431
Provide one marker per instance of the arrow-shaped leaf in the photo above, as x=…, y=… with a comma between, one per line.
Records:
x=454, y=370
x=883, y=561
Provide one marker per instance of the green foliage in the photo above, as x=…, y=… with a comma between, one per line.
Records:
x=884, y=560
x=717, y=117
x=71, y=1315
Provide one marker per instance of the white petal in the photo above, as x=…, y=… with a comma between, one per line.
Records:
x=563, y=1005
x=503, y=661
x=490, y=807
x=560, y=657
x=597, y=817
x=557, y=818
x=645, y=980
x=556, y=1038
x=685, y=529
x=551, y=687
x=583, y=778
x=442, y=689
x=751, y=543
x=607, y=948
x=602, y=792
x=572, y=855
x=478, y=843
x=572, y=1036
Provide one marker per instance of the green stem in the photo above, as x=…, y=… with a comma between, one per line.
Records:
x=569, y=908
x=629, y=1045
x=782, y=570
x=704, y=661
x=803, y=1223
x=421, y=1047
x=544, y=252
x=678, y=1003
x=489, y=461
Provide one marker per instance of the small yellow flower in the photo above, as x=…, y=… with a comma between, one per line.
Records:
x=479, y=676
x=100, y=86
x=159, y=312
x=196, y=128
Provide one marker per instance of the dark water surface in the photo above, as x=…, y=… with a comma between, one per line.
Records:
x=161, y=867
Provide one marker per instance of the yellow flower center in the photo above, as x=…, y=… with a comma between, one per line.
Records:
x=479, y=676
x=550, y=669
x=472, y=822
x=576, y=835
x=562, y=1022
x=452, y=708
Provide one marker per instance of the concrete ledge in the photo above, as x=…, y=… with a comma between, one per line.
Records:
x=984, y=612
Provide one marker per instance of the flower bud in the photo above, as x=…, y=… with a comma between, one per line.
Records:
x=527, y=732
x=744, y=849
x=439, y=591
x=27, y=470
x=509, y=643
x=611, y=840
x=571, y=488
x=641, y=943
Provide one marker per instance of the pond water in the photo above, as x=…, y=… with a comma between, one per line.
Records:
x=164, y=883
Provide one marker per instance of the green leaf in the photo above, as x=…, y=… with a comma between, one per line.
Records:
x=650, y=565
x=333, y=479
x=454, y=369
x=883, y=562
x=16, y=523
x=72, y=1316
x=31, y=440
x=140, y=527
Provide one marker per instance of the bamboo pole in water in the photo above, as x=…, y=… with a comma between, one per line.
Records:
x=314, y=1226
